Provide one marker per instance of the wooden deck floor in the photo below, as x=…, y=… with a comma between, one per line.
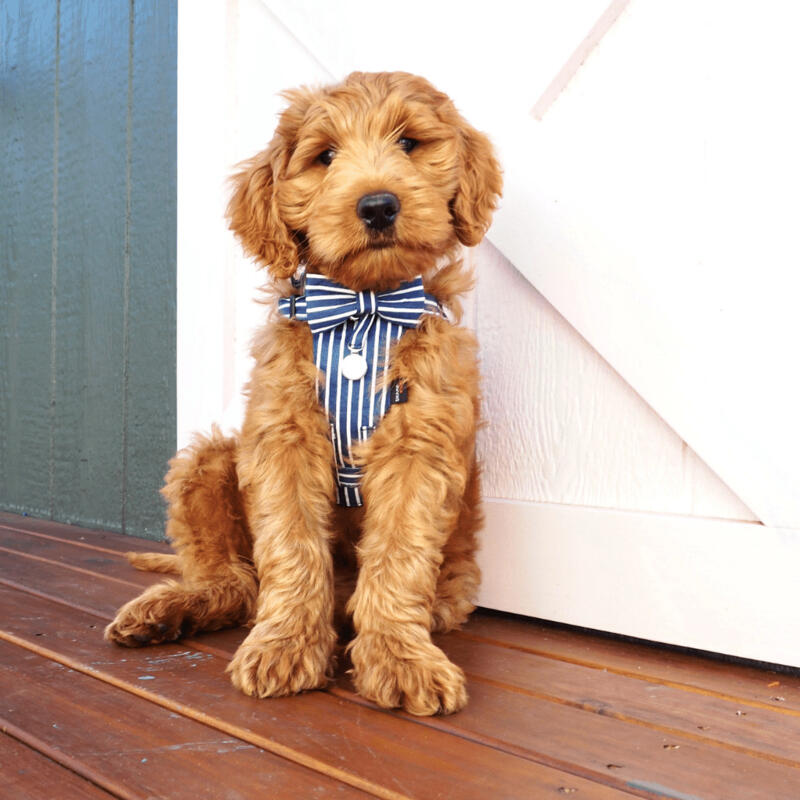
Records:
x=552, y=712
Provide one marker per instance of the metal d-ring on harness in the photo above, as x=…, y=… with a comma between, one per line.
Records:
x=352, y=334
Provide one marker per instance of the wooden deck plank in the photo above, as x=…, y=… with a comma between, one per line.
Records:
x=79, y=535
x=380, y=748
x=668, y=763
x=647, y=662
x=637, y=756
x=536, y=729
x=561, y=698
x=140, y=746
x=597, y=747
x=98, y=595
x=763, y=732
x=664, y=708
x=28, y=775
x=109, y=565
x=668, y=716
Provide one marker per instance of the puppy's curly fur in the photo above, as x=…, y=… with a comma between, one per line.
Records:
x=252, y=517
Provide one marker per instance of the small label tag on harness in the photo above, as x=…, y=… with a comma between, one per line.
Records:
x=399, y=392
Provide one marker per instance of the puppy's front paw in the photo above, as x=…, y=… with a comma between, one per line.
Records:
x=417, y=676
x=270, y=667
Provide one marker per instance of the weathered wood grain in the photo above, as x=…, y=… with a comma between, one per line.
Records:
x=87, y=470
x=100, y=597
x=141, y=747
x=80, y=536
x=87, y=260
x=554, y=708
x=150, y=376
x=360, y=745
x=92, y=562
x=28, y=69
x=766, y=733
x=647, y=662
x=29, y=775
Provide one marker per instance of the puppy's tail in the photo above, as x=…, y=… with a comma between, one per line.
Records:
x=155, y=562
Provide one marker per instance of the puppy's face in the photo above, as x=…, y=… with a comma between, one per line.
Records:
x=368, y=182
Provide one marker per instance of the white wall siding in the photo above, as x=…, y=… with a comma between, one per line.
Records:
x=233, y=59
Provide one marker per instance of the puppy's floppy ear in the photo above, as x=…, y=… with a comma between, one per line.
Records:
x=253, y=212
x=480, y=184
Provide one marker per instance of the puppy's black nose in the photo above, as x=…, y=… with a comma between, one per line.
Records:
x=378, y=210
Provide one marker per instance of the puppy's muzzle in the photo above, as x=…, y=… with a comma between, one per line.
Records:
x=378, y=211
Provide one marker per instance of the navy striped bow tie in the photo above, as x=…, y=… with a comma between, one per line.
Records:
x=329, y=304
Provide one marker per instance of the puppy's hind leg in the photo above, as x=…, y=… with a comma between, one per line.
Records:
x=218, y=585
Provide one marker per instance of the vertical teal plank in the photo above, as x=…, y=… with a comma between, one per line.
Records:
x=87, y=259
x=28, y=63
x=151, y=408
x=91, y=208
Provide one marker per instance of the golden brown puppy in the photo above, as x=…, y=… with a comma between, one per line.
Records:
x=368, y=183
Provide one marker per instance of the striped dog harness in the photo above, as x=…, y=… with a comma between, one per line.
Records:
x=353, y=333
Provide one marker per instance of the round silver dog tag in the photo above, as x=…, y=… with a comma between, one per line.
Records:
x=354, y=366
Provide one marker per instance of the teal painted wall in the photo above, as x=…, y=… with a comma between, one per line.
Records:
x=88, y=96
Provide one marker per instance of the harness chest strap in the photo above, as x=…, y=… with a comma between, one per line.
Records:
x=352, y=334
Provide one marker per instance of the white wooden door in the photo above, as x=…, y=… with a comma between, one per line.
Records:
x=636, y=297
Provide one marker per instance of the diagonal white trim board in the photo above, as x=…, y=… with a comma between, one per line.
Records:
x=663, y=233
x=717, y=585
x=576, y=60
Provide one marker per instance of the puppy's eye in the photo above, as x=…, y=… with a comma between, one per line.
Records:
x=326, y=156
x=407, y=144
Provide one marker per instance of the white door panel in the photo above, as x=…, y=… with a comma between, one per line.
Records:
x=564, y=427
x=654, y=204
x=491, y=58
x=664, y=266
x=655, y=208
